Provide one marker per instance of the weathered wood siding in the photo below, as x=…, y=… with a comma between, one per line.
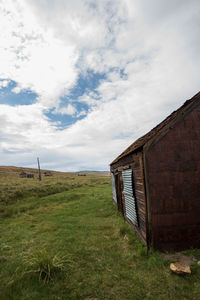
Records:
x=134, y=161
x=173, y=165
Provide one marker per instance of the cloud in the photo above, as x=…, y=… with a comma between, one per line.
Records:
x=25, y=127
x=68, y=110
x=4, y=83
x=148, y=53
x=32, y=56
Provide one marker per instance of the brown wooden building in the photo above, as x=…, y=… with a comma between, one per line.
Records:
x=156, y=181
x=48, y=173
x=24, y=174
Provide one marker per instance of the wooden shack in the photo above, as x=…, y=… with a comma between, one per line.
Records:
x=156, y=181
x=24, y=174
x=48, y=173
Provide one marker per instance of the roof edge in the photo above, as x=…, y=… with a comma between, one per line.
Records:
x=140, y=142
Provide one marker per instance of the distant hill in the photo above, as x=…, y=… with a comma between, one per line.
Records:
x=19, y=169
x=16, y=170
x=97, y=173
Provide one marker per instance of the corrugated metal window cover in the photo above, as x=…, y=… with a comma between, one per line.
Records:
x=130, y=205
x=114, y=188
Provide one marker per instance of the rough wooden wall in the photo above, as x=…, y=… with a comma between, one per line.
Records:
x=134, y=161
x=173, y=165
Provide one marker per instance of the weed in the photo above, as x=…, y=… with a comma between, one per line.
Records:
x=46, y=266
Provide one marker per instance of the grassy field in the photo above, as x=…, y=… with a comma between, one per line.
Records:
x=62, y=238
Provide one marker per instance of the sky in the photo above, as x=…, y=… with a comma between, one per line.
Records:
x=80, y=80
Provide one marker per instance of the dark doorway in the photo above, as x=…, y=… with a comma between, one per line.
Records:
x=118, y=181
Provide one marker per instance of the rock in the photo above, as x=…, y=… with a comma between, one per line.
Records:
x=180, y=268
x=198, y=263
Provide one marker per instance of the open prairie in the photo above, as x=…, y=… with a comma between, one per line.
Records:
x=62, y=238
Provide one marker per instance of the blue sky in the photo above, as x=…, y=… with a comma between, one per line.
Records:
x=81, y=80
x=25, y=97
x=85, y=84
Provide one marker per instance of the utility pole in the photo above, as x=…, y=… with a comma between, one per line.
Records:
x=40, y=176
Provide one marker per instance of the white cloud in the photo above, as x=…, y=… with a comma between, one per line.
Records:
x=81, y=113
x=16, y=90
x=28, y=124
x=32, y=55
x=4, y=83
x=68, y=110
x=149, y=52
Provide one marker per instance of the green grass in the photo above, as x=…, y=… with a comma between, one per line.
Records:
x=75, y=245
x=42, y=263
